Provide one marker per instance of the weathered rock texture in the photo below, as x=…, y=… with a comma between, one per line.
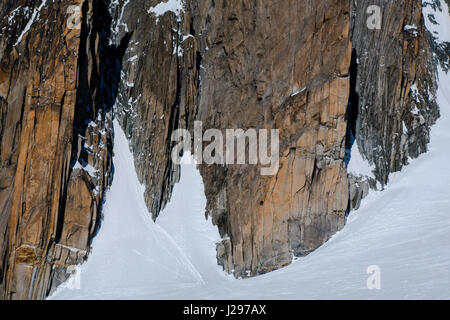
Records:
x=440, y=49
x=55, y=140
x=311, y=69
x=254, y=57
x=239, y=65
x=277, y=65
x=158, y=91
x=396, y=85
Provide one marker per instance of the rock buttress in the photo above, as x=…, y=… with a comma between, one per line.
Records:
x=276, y=65
x=396, y=85
x=55, y=139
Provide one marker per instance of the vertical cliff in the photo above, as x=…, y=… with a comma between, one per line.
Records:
x=312, y=69
x=288, y=65
x=276, y=65
x=58, y=88
x=396, y=85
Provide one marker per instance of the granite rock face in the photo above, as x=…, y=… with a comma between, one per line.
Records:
x=242, y=65
x=396, y=85
x=56, y=140
x=312, y=69
x=158, y=90
x=264, y=65
x=276, y=65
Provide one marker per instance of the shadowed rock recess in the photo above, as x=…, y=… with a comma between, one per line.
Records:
x=312, y=69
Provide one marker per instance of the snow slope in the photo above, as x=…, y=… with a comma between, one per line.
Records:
x=132, y=253
x=404, y=230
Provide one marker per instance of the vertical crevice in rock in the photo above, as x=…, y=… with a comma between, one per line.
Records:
x=352, y=109
x=82, y=93
x=98, y=89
